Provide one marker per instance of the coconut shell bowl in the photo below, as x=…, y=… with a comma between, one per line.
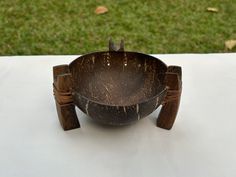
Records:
x=117, y=88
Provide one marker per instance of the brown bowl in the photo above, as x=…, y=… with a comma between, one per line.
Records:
x=117, y=88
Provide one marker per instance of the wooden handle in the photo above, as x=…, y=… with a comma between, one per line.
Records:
x=170, y=104
x=62, y=88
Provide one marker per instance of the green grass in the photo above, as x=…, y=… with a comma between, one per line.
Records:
x=150, y=26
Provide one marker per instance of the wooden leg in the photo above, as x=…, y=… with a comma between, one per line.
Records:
x=171, y=102
x=63, y=97
x=67, y=116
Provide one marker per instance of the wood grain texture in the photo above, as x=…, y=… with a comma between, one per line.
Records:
x=62, y=87
x=169, y=110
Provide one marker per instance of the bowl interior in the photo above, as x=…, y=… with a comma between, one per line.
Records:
x=118, y=78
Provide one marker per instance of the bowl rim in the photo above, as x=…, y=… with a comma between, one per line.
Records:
x=97, y=52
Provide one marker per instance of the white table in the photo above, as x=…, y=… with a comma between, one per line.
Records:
x=202, y=142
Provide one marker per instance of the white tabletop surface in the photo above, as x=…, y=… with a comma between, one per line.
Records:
x=202, y=142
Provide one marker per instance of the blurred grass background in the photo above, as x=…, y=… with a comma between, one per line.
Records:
x=150, y=26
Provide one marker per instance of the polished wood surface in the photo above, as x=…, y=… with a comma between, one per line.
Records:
x=63, y=96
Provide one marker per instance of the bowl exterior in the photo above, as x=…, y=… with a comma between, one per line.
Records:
x=117, y=115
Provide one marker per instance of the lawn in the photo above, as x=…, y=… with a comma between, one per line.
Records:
x=150, y=26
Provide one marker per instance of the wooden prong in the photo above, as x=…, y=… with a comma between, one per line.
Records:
x=122, y=46
x=112, y=46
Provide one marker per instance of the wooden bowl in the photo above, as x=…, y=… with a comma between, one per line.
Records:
x=117, y=88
